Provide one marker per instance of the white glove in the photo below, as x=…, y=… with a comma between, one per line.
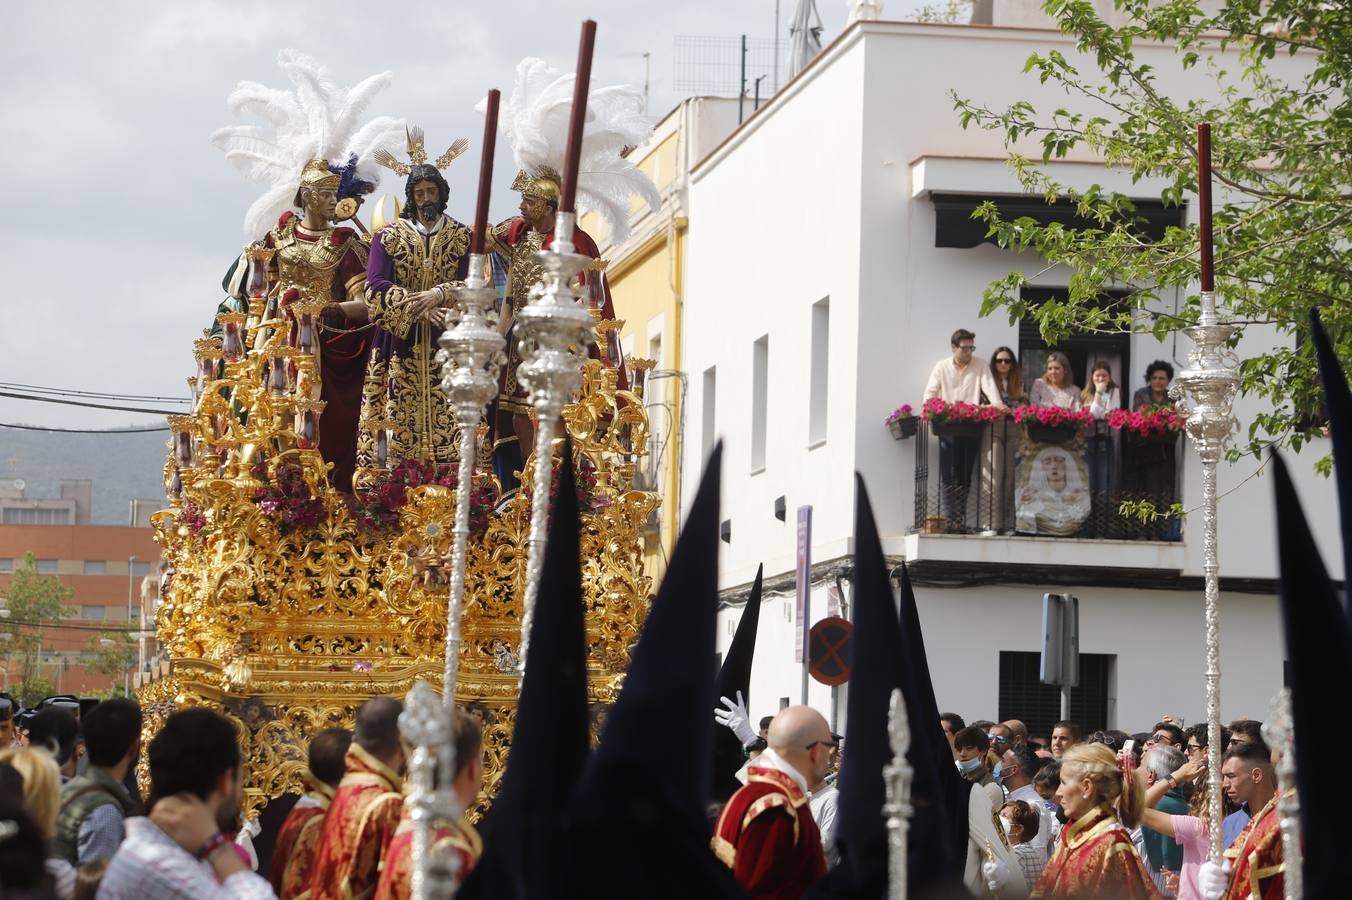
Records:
x=736, y=718
x=1212, y=879
x=996, y=874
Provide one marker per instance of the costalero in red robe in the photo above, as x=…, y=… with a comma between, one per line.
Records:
x=1096, y=857
x=357, y=830
x=767, y=836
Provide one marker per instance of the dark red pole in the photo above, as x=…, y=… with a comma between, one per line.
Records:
x=1204, y=203
x=568, y=202
x=476, y=242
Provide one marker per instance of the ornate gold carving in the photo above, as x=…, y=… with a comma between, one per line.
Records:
x=288, y=627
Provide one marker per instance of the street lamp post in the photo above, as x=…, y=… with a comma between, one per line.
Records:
x=131, y=567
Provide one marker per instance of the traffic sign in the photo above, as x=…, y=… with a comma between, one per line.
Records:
x=829, y=651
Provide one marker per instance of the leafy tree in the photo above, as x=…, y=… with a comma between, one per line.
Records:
x=114, y=653
x=35, y=603
x=1282, y=138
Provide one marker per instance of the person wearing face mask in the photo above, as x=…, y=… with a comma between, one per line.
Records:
x=1015, y=773
x=1022, y=825
x=971, y=745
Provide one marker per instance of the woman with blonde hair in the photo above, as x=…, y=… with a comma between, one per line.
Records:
x=1096, y=856
x=1056, y=387
x=42, y=800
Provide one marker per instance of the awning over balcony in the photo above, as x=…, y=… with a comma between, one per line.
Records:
x=956, y=187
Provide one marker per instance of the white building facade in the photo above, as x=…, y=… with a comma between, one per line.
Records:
x=817, y=301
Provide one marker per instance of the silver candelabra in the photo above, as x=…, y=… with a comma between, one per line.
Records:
x=555, y=329
x=425, y=725
x=897, y=776
x=1208, y=387
x=1280, y=733
x=470, y=356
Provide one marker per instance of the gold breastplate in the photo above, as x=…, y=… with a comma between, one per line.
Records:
x=307, y=266
x=525, y=270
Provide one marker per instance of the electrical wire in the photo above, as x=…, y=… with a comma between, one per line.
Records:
x=73, y=392
x=148, y=430
x=135, y=409
x=116, y=629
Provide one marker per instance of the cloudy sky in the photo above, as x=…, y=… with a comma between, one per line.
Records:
x=122, y=217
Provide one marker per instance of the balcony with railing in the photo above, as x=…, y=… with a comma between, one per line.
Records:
x=1029, y=492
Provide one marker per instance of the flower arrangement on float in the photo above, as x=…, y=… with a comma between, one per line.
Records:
x=287, y=496
x=379, y=502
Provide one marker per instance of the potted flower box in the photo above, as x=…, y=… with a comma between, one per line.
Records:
x=1149, y=425
x=958, y=419
x=1052, y=424
x=902, y=422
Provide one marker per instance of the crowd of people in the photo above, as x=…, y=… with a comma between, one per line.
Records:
x=1108, y=813
x=1049, y=485
x=73, y=825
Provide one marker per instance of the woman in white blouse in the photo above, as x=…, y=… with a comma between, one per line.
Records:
x=1054, y=388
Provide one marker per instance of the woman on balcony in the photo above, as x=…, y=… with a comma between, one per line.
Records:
x=1101, y=397
x=999, y=444
x=1055, y=388
x=1154, y=461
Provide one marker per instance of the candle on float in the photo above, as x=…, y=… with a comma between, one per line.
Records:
x=476, y=245
x=1204, y=204
x=581, y=84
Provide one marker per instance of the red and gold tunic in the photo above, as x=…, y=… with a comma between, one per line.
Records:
x=1095, y=857
x=357, y=830
x=328, y=266
x=767, y=836
x=396, y=879
x=297, y=841
x=1257, y=858
x=518, y=243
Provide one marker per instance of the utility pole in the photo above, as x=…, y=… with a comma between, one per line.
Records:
x=131, y=566
x=774, y=82
x=741, y=93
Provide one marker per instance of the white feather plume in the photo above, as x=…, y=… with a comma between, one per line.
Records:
x=535, y=120
x=315, y=119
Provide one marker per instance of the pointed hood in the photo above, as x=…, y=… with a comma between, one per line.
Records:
x=939, y=793
x=1319, y=653
x=527, y=833
x=1338, y=406
x=642, y=802
x=881, y=660
x=734, y=676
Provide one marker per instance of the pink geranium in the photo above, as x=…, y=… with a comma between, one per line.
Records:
x=1148, y=421
x=1052, y=416
x=901, y=412
x=945, y=413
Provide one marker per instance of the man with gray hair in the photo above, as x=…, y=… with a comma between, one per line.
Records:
x=1162, y=851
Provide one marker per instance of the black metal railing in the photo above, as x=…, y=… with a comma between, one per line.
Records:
x=1005, y=478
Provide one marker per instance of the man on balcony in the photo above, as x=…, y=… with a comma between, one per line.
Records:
x=961, y=377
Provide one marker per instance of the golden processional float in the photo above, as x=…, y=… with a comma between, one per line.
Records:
x=285, y=604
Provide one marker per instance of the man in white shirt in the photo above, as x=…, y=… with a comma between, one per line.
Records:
x=180, y=850
x=1017, y=766
x=961, y=378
